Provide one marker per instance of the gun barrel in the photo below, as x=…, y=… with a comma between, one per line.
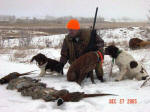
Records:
x=92, y=36
x=95, y=18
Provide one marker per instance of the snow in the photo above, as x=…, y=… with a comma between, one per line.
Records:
x=54, y=40
x=126, y=89
x=122, y=34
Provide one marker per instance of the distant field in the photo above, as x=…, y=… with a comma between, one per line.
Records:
x=59, y=28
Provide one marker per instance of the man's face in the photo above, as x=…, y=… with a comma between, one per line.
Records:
x=73, y=33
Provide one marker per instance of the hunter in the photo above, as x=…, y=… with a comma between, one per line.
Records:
x=75, y=43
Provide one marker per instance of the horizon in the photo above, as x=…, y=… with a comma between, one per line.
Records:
x=123, y=19
x=108, y=9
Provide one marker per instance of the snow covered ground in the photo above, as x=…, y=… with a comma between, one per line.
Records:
x=127, y=90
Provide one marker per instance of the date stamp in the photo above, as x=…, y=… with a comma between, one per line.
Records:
x=123, y=101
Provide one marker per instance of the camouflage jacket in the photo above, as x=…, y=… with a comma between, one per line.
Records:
x=71, y=49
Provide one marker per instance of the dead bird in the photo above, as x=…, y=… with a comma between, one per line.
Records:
x=13, y=75
x=77, y=96
x=38, y=90
x=22, y=83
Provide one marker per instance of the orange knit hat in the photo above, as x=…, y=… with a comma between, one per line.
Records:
x=73, y=24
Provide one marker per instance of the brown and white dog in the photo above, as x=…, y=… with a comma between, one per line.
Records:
x=47, y=64
x=136, y=43
x=82, y=66
x=128, y=66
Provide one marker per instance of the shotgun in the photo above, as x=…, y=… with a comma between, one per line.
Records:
x=92, y=41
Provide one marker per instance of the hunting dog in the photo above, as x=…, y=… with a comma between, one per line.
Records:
x=83, y=65
x=128, y=66
x=136, y=43
x=47, y=64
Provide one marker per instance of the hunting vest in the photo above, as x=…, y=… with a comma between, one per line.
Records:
x=84, y=38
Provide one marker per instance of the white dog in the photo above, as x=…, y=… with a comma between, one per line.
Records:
x=128, y=66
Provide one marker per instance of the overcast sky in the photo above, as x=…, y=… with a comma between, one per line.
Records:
x=135, y=9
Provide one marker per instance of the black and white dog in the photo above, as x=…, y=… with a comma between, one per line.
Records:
x=128, y=66
x=47, y=64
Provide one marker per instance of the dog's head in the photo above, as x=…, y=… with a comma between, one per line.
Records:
x=134, y=43
x=39, y=58
x=143, y=75
x=112, y=51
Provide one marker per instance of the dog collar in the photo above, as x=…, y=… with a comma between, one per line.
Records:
x=100, y=57
x=113, y=60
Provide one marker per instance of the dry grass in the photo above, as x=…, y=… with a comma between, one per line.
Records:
x=53, y=28
x=27, y=49
x=22, y=56
x=124, y=44
x=59, y=45
x=5, y=51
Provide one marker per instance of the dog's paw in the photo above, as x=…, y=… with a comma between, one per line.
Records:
x=79, y=82
x=93, y=83
x=117, y=80
x=41, y=75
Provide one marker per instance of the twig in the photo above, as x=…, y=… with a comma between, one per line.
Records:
x=144, y=83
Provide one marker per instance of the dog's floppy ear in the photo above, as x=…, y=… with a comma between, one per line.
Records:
x=33, y=58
